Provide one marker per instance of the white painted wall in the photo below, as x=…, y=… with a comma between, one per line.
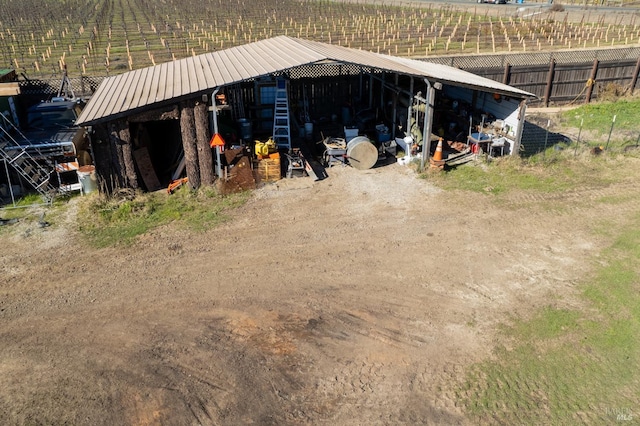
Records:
x=507, y=109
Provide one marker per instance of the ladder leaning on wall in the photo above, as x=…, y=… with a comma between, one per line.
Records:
x=281, y=119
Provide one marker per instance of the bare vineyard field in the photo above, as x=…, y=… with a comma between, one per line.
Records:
x=99, y=37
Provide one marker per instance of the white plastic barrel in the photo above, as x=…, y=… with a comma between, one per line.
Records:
x=87, y=179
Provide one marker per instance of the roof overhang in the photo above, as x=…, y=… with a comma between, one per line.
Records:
x=153, y=87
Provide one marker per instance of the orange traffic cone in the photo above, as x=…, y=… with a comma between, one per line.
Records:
x=437, y=156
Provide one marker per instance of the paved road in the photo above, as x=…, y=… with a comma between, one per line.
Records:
x=530, y=4
x=613, y=14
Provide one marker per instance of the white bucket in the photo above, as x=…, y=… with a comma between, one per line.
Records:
x=87, y=179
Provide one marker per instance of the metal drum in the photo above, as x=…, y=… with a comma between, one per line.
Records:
x=246, y=130
x=362, y=153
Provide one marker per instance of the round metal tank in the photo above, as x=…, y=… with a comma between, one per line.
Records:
x=362, y=153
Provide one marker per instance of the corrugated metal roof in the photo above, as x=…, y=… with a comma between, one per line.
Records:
x=457, y=77
x=131, y=92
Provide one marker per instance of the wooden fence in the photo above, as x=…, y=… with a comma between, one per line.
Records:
x=558, y=77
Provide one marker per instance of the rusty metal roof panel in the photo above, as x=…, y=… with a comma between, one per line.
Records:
x=131, y=92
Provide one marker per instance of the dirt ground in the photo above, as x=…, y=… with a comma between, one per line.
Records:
x=359, y=299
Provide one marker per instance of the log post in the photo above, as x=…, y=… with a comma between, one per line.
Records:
x=116, y=156
x=592, y=81
x=120, y=139
x=106, y=160
x=547, y=90
x=188, y=133
x=205, y=159
x=121, y=136
x=634, y=77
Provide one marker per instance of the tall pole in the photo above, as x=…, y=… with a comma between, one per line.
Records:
x=547, y=89
x=410, y=114
x=613, y=122
x=575, y=153
x=215, y=131
x=428, y=124
x=546, y=139
x=591, y=81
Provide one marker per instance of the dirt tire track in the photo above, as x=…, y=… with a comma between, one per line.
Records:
x=359, y=299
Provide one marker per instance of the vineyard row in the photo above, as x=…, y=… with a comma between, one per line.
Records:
x=111, y=36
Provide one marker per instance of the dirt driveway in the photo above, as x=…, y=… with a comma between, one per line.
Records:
x=359, y=299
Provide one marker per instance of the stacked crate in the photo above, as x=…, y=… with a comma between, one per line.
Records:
x=268, y=168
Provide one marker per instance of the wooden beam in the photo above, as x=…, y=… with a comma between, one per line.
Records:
x=9, y=89
x=147, y=172
x=167, y=113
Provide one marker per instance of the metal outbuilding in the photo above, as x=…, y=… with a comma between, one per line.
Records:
x=147, y=120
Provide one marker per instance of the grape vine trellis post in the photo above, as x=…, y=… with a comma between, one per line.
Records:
x=101, y=30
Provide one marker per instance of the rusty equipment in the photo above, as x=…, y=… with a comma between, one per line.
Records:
x=175, y=184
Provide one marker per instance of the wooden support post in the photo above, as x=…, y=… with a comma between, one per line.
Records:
x=116, y=157
x=122, y=137
x=205, y=159
x=127, y=155
x=107, y=170
x=634, y=78
x=188, y=132
x=507, y=74
x=591, y=82
x=547, y=90
x=522, y=113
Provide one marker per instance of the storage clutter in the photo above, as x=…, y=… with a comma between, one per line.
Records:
x=268, y=168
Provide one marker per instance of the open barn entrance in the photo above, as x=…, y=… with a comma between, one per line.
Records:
x=163, y=141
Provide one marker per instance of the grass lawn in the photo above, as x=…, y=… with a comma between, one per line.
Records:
x=562, y=365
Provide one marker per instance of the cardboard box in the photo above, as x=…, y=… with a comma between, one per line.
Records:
x=269, y=169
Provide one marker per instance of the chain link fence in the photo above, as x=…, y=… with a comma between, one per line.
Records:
x=555, y=130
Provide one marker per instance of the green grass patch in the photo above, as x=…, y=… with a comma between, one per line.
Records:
x=30, y=207
x=546, y=172
x=513, y=173
x=599, y=116
x=108, y=221
x=568, y=366
x=21, y=204
x=548, y=323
